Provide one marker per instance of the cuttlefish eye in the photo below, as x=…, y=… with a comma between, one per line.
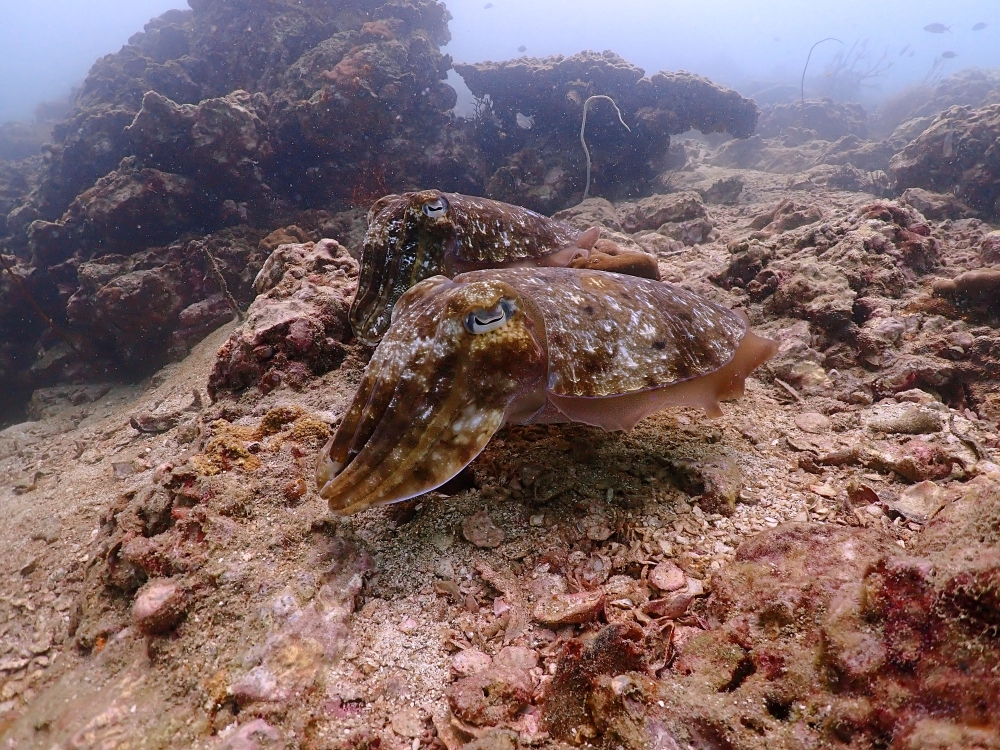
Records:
x=484, y=321
x=436, y=208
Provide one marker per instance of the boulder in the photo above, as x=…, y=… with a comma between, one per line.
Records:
x=297, y=327
x=957, y=153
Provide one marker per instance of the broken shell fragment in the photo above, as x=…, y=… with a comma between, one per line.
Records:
x=569, y=609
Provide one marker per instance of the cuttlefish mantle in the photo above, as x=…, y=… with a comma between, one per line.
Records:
x=525, y=345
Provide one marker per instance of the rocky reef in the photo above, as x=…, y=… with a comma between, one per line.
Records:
x=298, y=327
x=180, y=154
x=888, y=634
x=829, y=120
x=530, y=111
x=817, y=567
x=285, y=56
x=230, y=119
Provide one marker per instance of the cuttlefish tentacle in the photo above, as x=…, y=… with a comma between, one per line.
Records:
x=415, y=236
x=464, y=356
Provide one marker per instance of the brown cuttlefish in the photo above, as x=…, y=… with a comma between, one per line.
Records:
x=525, y=345
x=414, y=236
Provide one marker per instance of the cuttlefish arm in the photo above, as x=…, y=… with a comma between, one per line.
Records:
x=561, y=256
x=524, y=345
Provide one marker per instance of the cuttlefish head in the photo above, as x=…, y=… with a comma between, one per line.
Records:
x=407, y=240
x=458, y=360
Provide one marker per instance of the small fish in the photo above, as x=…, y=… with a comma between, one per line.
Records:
x=912, y=53
x=523, y=122
x=949, y=55
x=522, y=48
x=414, y=236
x=937, y=28
x=487, y=6
x=903, y=51
x=525, y=346
x=980, y=26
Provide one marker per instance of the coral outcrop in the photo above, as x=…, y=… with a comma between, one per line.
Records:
x=298, y=326
x=530, y=111
x=222, y=116
x=817, y=134
x=975, y=87
x=827, y=119
x=957, y=153
x=322, y=81
x=899, y=646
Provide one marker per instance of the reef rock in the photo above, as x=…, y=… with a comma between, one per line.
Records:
x=127, y=209
x=958, y=154
x=537, y=105
x=972, y=87
x=936, y=206
x=828, y=120
x=298, y=325
x=898, y=645
x=138, y=309
x=219, y=142
x=370, y=106
x=225, y=115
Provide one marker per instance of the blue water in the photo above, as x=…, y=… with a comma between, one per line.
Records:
x=47, y=46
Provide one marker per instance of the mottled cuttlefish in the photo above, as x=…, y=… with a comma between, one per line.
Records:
x=525, y=345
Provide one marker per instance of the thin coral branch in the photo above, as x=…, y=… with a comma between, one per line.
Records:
x=482, y=108
x=855, y=69
x=583, y=130
x=858, y=65
x=936, y=73
x=213, y=266
x=802, y=85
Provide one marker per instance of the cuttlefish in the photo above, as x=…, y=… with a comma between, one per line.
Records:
x=414, y=236
x=463, y=356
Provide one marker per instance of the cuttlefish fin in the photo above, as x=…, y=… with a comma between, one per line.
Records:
x=624, y=411
x=588, y=239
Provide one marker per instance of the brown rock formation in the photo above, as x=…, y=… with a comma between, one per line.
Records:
x=958, y=153
x=537, y=160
